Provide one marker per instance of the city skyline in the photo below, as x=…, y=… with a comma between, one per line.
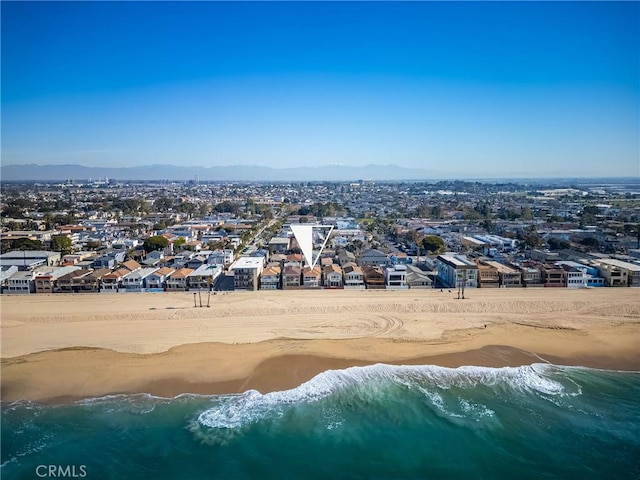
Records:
x=471, y=90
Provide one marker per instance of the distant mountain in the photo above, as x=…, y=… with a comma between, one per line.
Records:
x=35, y=172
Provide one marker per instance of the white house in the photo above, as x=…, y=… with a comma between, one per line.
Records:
x=21, y=282
x=396, y=277
x=136, y=280
x=156, y=281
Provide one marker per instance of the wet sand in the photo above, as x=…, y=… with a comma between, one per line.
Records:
x=65, y=347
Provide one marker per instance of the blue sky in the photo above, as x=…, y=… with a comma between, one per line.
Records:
x=464, y=89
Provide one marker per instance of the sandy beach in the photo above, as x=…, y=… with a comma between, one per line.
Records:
x=62, y=347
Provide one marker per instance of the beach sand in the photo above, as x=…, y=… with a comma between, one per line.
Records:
x=64, y=347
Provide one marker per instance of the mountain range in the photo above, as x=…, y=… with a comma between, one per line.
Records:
x=34, y=172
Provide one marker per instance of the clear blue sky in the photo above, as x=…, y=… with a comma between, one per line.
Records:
x=485, y=89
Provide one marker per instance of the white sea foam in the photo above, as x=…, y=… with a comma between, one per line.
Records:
x=252, y=406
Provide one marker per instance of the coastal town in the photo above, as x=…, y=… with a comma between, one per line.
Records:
x=113, y=236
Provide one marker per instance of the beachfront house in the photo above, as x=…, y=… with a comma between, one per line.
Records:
x=311, y=277
x=136, y=281
x=553, y=276
x=46, y=280
x=332, y=276
x=291, y=277
x=5, y=274
x=65, y=282
x=531, y=275
x=618, y=273
x=590, y=275
x=488, y=276
x=509, y=277
x=456, y=270
x=87, y=282
x=177, y=280
x=396, y=277
x=203, y=278
x=353, y=276
x=111, y=282
x=270, y=279
x=373, y=277
x=157, y=280
x=21, y=282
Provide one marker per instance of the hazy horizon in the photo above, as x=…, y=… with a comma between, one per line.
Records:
x=481, y=89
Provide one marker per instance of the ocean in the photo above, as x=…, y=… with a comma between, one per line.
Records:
x=376, y=422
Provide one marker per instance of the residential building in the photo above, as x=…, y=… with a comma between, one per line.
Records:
x=396, y=277
x=83, y=281
x=278, y=245
x=353, y=276
x=345, y=256
x=553, y=276
x=270, y=279
x=291, y=277
x=246, y=273
x=373, y=277
x=177, y=280
x=332, y=276
x=488, y=276
x=111, y=282
x=531, y=275
x=311, y=277
x=157, y=280
x=131, y=265
x=454, y=270
x=203, y=277
x=5, y=273
x=46, y=280
x=21, y=282
x=509, y=277
x=30, y=259
x=418, y=278
x=373, y=257
x=136, y=281
x=619, y=273
x=65, y=282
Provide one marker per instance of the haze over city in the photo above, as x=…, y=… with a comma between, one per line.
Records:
x=496, y=89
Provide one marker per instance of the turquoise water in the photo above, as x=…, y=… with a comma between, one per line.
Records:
x=377, y=422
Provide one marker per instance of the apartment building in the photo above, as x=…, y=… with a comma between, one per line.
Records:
x=618, y=273
x=246, y=272
x=454, y=270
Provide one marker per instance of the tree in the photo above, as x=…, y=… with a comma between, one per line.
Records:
x=557, y=244
x=590, y=242
x=61, y=243
x=531, y=238
x=433, y=244
x=526, y=213
x=177, y=243
x=157, y=242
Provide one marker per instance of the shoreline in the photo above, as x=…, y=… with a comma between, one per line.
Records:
x=59, y=349
x=49, y=377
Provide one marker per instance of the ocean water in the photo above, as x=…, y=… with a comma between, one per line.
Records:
x=377, y=422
